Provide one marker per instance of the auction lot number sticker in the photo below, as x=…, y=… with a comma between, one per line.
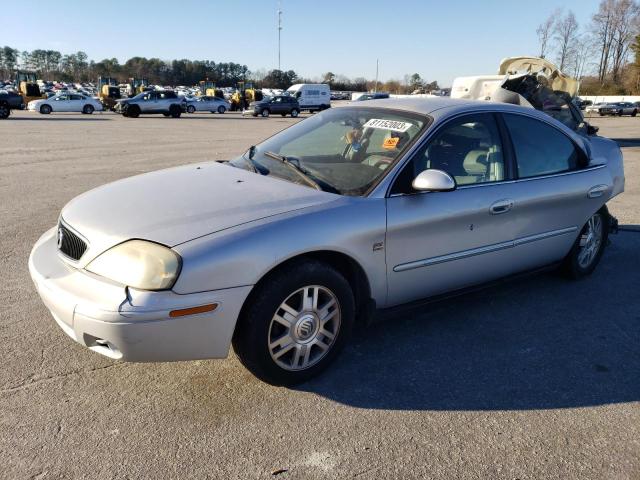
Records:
x=393, y=125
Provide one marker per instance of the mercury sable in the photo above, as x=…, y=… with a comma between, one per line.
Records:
x=280, y=250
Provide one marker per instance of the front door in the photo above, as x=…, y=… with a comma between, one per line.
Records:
x=442, y=241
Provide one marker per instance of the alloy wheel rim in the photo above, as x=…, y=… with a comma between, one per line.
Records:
x=304, y=328
x=590, y=241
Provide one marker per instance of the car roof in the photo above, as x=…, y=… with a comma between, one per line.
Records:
x=429, y=105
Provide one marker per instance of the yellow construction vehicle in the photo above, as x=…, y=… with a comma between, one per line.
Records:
x=207, y=88
x=28, y=86
x=136, y=86
x=244, y=95
x=108, y=92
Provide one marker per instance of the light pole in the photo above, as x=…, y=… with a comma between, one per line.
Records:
x=375, y=89
x=279, y=30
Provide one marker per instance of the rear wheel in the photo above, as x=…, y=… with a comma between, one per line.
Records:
x=264, y=113
x=88, y=109
x=221, y=109
x=166, y=114
x=175, y=111
x=132, y=111
x=45, y=109
x=634, y=113
x=295, y=324
x=295, y=113
x=589, y=246
x=191, y=109
x=5, y=111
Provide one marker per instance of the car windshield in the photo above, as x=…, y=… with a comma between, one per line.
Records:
x=342, y=150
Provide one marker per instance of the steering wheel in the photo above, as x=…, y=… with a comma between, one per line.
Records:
x=383, y=163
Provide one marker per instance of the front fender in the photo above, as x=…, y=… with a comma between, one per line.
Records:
x=242, y=255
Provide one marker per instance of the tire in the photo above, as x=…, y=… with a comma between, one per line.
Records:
x=45, y=109
x=295, y=113
x=88, y=109
x=259, y=339
x=589, y=246
x=132, y=111
x=191, y=109
x=283, y=115
x=166, y=114
x=634, y=113
x=175, y=111
x=5, y=111
x=265, y=113
x=221, y=110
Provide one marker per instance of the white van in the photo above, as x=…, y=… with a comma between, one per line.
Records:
x=311, y=96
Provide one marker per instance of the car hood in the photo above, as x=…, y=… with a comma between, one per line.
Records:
x=179, y=204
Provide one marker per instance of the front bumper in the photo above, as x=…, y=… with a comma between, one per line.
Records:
x=129, y=324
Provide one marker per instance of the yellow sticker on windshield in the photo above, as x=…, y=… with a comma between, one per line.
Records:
x=390, y=143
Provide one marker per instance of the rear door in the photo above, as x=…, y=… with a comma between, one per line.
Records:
x=554, y=192
x=442, y=241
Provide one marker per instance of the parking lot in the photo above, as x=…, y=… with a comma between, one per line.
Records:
x=537, y=378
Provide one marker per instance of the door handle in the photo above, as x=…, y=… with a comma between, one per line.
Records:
x=597, y=191
x=501, y=206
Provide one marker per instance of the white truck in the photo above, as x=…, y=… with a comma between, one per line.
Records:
x=311, y=96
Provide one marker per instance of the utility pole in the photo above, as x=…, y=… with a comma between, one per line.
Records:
x=279, y=32
x=375, y=89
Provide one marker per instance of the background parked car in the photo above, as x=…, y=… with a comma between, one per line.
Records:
x=10, y=101
x=594, y=108
x=282, y=104
x=372, y=96
x=207, y=104
x=65, y=102
x=619, y=108
x=166, y=102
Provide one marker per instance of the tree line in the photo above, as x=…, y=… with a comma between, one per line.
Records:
x=599, y=52
x=77, y=67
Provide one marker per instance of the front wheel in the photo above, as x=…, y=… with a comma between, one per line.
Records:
x=132, y=111
x=5, y=111
x=175, y=111
x=45, y=109
x=589, y=246
x=191, y=109
x=295, y=113
x=295, y=323
x=264, y=113
x=634, y=113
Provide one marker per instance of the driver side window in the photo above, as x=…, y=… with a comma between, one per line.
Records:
x=468, y=148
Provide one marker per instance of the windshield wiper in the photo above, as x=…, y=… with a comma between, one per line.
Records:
x=250, y=161
x=296, y=167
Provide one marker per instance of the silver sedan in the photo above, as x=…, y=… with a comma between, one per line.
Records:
x=207, y=104
x=282, y=250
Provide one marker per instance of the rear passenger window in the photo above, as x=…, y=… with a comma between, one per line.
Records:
x=540, y=149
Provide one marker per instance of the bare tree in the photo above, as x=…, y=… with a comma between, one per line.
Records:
x=603, y=28
x=565, y=33
x=545, y=32
x=626, y=17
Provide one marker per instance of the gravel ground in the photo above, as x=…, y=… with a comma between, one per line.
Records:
x=531, y=380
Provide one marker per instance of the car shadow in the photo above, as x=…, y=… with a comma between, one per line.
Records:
x=49, y=118
x=540, y=342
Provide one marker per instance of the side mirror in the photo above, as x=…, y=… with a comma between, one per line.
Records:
x=434, y=180
x=591, y=130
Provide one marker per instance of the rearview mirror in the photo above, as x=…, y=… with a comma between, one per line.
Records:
x=433, y=180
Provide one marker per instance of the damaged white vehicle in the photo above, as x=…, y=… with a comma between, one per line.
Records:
x=530, y=82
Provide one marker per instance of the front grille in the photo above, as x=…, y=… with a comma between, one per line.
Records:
x=69, y=243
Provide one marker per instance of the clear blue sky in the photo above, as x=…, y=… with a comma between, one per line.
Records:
x=437, y=39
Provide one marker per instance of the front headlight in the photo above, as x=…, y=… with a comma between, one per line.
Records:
x=138, y=264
